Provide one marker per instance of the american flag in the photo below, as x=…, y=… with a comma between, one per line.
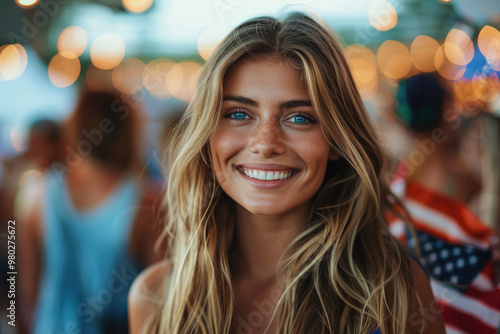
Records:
x=454, y=249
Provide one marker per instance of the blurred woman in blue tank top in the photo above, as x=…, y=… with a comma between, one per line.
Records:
x=93, y=228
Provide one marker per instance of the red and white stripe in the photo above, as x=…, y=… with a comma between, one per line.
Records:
x=477, y=310
x=467, y=312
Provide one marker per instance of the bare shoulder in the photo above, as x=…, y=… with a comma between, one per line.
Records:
x=431, y=318
x=146, y=292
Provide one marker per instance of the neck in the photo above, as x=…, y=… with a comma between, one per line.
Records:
x=437, y=166
x=261, y=240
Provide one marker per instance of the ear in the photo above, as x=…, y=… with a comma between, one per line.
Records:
x=333, y=155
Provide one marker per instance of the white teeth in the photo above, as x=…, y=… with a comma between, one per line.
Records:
x=266, y=175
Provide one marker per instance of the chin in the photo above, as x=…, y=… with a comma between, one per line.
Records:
x=269, y=209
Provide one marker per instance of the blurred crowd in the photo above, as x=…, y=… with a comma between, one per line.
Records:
x=88, y=216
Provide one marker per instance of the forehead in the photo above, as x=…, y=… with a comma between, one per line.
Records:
x=265, y=77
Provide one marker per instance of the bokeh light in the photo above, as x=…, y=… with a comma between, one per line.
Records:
x=17, y=138
x=446, y=68
x=488, y=41
x=422, y=51
x=107, y=51
x=364, y=68
x=13, y=61
x=394, y=59
x=32, y=173
x=382, y=15
x=127, y=77
x=209, y=39
x=74, y=39
x=494, y=107
x=27, y=3
x=64, y=69
x=458, y=47
x=181, y=79
x=137, y=6
x=154, y=77
x=486, y=86
x=464, y=91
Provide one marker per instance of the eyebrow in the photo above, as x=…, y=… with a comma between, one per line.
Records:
x=240, y=99
x=284, y=105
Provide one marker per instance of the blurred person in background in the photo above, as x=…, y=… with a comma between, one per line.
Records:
x=437, y=160
x=21, y=174
x=93, y=226
x=44, y=143
x=440, y=181
x=43, y=147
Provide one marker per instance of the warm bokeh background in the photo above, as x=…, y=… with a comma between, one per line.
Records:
x=154, y=50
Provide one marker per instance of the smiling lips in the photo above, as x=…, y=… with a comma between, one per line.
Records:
x=267, y=175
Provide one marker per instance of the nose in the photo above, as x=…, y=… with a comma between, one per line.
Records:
x=267, y=139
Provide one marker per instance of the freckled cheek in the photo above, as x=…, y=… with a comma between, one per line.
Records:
x=314, y=152
x=224, y=145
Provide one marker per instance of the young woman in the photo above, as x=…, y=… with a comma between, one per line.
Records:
x=291, y=238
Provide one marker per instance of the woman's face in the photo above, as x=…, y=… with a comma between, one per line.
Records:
x=269, y=152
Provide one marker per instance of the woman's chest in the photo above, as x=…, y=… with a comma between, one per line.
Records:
x=254, y=311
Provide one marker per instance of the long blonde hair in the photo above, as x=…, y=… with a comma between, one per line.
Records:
x=346, y=274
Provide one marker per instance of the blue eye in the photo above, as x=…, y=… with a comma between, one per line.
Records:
x=237, y=115
x=299, y=119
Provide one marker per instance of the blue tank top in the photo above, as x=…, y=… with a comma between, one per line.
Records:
x=87, y=272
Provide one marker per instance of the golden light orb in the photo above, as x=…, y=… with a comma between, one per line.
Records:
x=382, y=15
x=107, y=51
x=27, y=3
x=181, y=79
x=209, y=39
x=446, y=68
x=394, y=59
x=364, y=68
x=13, y=61
x=137, y=6
x=64, y=69
x=422, y=51
x=458, y=47
x=464, y=92
x=74, y=39
x=486, y=88
x=127, y=77
x=154, y=77
x=488, y=41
